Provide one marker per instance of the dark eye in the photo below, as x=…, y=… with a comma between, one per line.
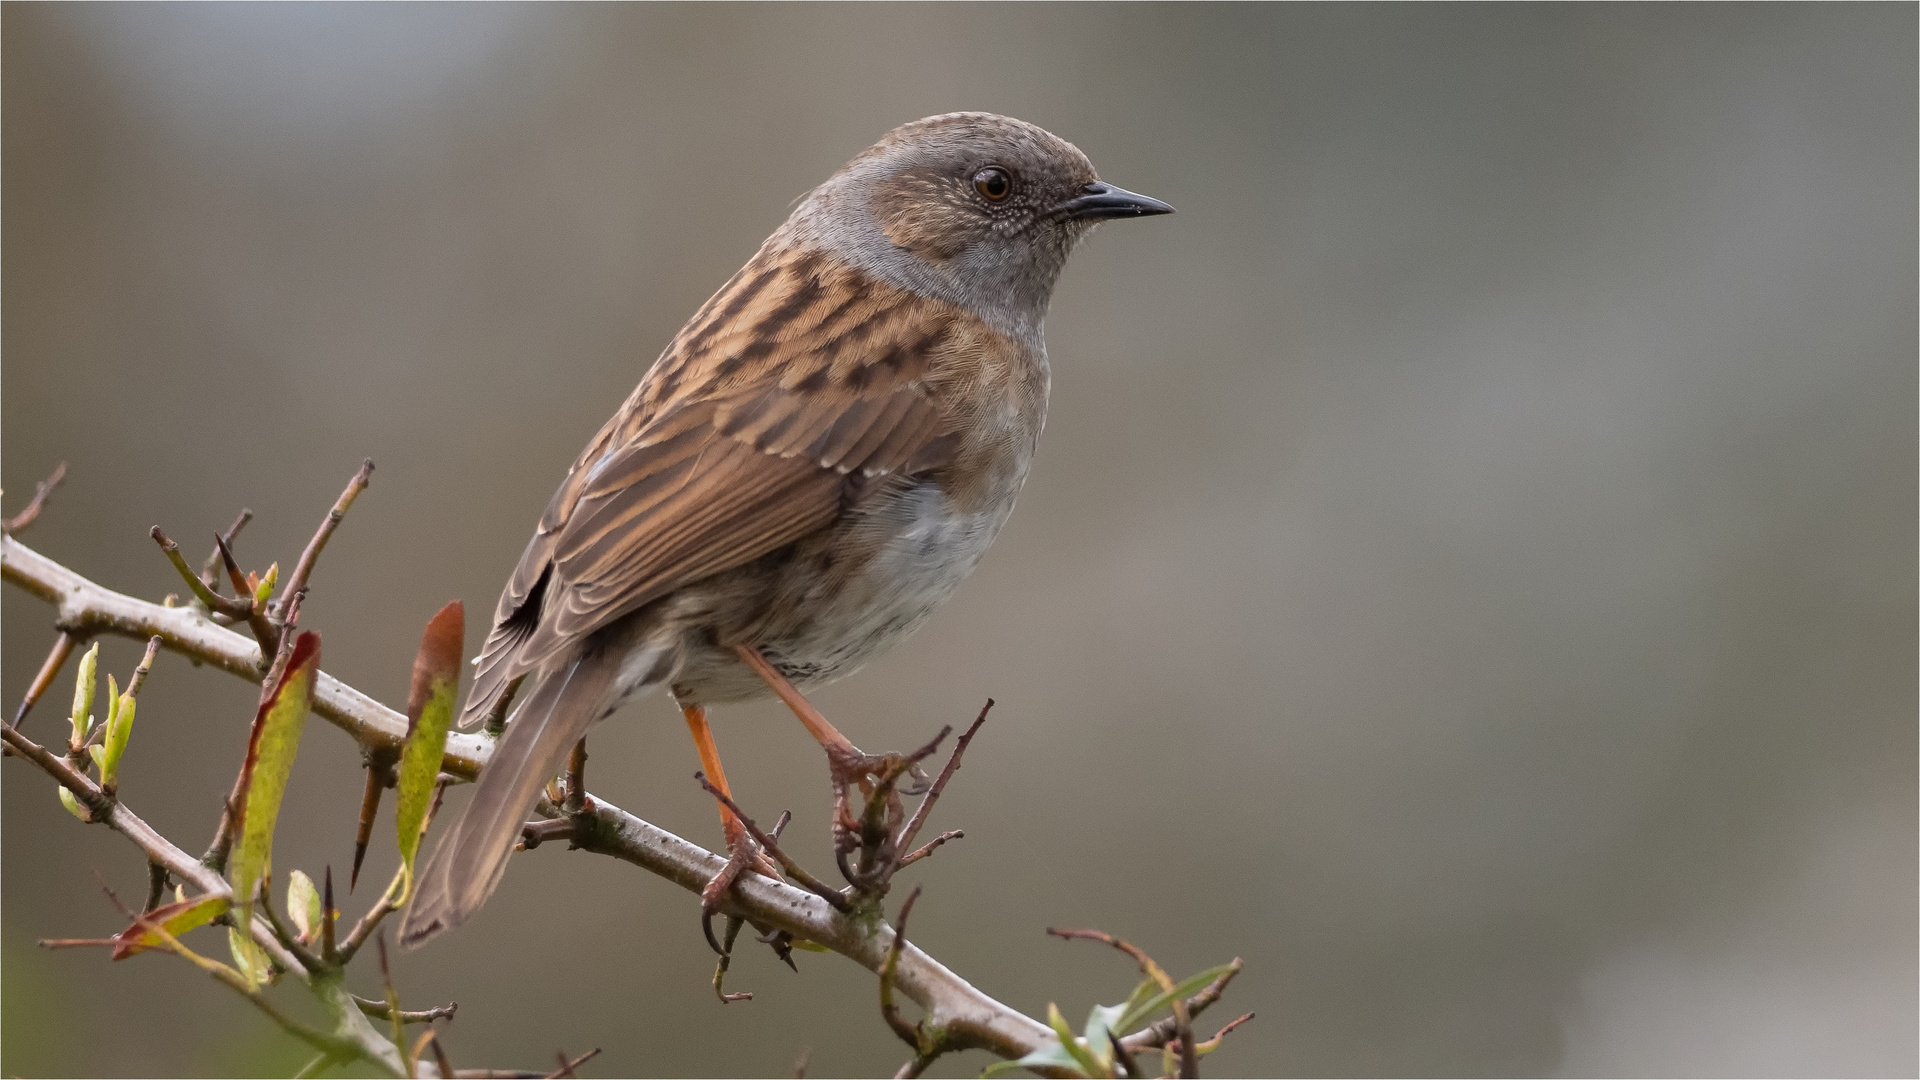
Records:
x=993, y=183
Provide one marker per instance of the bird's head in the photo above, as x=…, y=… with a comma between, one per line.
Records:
x=977, y=209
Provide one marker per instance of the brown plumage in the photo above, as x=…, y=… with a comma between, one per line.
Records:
x=814, y=462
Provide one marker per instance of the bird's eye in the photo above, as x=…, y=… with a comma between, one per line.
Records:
x=993, y=183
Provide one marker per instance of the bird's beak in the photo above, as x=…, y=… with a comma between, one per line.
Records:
x=1100, y=200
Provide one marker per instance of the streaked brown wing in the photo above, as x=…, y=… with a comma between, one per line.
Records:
x=738, y=442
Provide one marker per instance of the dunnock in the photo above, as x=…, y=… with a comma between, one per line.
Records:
x=814, y=463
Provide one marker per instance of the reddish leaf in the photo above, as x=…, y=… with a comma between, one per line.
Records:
x=177, y=917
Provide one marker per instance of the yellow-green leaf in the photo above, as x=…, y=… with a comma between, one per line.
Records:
x=248, y=956
x=303, y=904
x=177, y=917
x=119, y=730
x=436, y=679
x=73, y=805
x=270, y=752
x=1084, y=1061
x=265, y=588
x=1192, y=984
x=83, y=685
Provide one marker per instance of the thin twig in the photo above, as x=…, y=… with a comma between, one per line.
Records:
x=371, y=920
x=768, y=844
x=567, y=1067
x=41, y=490
x=929, y=847
x=1213, y=1044
x=63, y=647
x=297, y=583
x=427, y=1038
x=212, y=601
x=919, y=819
x=394, y=1015
x=378, y=1010
x=440, y=1058
x=139, y=676
x=1182, y=1019
x=535, y=833
x=888, y=1010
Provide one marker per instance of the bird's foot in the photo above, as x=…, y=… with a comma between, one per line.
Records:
x=742, y=855
x=848, y=768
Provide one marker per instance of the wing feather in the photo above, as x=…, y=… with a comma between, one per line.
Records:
x=737, y=443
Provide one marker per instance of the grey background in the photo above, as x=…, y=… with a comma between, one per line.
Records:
x=1469, y=571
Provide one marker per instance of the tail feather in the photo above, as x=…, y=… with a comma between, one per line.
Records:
x=467, y=863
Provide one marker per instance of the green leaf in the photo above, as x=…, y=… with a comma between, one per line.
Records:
x=265, y=589
x=178, y=918
x=263, y=779
x=1051, y=1056
x=83, y=686
x=1189, y=986
x=1142, y=994
x=303, y=904
x=1099, y=1024
x=249, y=957
x=119, y=730
x=436, y=678
x=1084, y=1062
x=73, y=805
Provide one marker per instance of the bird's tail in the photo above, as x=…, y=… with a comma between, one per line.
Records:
x=467, y=863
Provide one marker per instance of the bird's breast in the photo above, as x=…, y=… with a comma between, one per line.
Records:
x=906, y=543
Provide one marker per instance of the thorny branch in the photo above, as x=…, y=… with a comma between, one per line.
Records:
x=89, y=609
x=957, y=1016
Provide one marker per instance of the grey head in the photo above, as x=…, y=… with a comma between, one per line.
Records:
x=972, y=208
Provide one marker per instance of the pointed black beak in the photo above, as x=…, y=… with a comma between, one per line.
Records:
x=1100, y=200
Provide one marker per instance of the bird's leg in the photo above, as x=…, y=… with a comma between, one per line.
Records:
x=846, y=764
x=742, y=853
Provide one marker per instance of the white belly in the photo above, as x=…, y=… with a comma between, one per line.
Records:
x=931, y=550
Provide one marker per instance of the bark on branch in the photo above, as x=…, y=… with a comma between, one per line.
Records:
x=972, y=1019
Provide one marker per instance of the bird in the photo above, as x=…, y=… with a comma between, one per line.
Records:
x=811, y=466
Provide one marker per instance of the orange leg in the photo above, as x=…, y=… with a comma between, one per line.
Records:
x=710, y=761
x=846, y=764
x=824, y=733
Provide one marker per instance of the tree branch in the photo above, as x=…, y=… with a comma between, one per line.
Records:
x=971, y=1018
x=41, y=490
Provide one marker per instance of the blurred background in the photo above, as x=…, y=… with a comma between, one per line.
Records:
x=1469, y=571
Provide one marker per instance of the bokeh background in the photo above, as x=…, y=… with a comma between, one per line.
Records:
x=1469, y=571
